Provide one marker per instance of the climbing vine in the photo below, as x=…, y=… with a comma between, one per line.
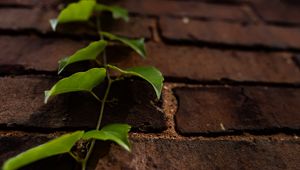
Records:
x=82, y=11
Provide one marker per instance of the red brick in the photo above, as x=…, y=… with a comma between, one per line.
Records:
x=174, y=61
x=197, y=63
x=198, y=154
x=217, y=32
x=227, y=109
x=39, y=54
x=37, y=19
x=17, y=2
x=184, y=9
x=278, y=11
x=22, y=106
x=25, y=19
x=167, y=154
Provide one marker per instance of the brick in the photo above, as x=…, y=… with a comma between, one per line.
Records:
x=276, y=11
x=32, y=3
x=26, y=19
x=194, y=63
x=216, y=32
x=229, y=109
x=22, y=106
x=17, y=2
x=185, y=9
x=42, y=55
x=37, y=19
x=167, y=154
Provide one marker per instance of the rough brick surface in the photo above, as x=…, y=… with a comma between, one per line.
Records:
x=278, y=11
x=17, y=2
x=217, y=32
x=39, y=54
x=167, y=154
x=42, y=54
x=37, y=19
x=197, y=154
x=185, y=9
x=197, y=63
x=22, y=105
x=226, y=109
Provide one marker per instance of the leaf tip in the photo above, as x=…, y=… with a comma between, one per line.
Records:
x=62, y=64
x=53, y=23
x=47, y=95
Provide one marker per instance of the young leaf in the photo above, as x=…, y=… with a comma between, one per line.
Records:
x=60, y=145
x=74, y=12
x=82, y=81
x=150, y=74
x=116, y=11
x=136, y=44
x=113, y=132
x=90, y=52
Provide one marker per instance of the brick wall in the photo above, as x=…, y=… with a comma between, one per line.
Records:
x=230, y=99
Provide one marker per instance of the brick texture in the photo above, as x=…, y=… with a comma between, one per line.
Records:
x=185, y=9
x=37, y=19
x=235, y=34
x=22, y=106
x=167, y=154
x=227, y=109
x=276, y=11
x=174, y=61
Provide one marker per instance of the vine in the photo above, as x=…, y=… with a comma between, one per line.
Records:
x=82, y=11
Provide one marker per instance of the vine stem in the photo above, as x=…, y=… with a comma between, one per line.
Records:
x=103, y=101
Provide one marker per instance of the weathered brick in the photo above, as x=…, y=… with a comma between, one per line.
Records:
x=167, y=154
x=40, y=54
x=22, y=106
x=26, y=19
x=278, y=11
x=217, y=32
x=184, y=9
x=37, y=19
x=18, y=2
x=196, y=63
x=227, y=109
x=186, y=62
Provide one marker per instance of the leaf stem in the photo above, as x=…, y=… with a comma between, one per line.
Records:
x=103, y=101
x=101, y=37
x=98, y=124
x=95, y=96
x=75, y=157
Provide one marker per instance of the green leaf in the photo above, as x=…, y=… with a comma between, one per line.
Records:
x=60, y=145
x=114, y=132
x=74, y=12
x=81, y=81
x=116, y=11
x=150, y=74
x=91, y=52
x=137, y=45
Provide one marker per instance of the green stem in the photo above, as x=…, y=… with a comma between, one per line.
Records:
x=83, y=165
x=98, y=124
x=103, y=101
